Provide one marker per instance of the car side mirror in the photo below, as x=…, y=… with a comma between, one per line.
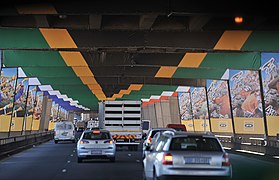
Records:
x=144, y=136
x=147, y=148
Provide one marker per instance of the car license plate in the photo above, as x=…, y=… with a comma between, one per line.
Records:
x=96, y=152
x=199, y=160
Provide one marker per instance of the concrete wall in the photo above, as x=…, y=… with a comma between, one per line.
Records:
x=162, y=113
x=152, y=115
x=174, y=110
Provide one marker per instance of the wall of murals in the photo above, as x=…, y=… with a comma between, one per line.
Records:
x=21, y=103
x=243, y=102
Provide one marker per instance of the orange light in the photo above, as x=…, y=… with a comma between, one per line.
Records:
x=238, y=19
x=96, y=132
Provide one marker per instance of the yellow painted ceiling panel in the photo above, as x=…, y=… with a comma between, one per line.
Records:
x=82, y=71
x=73, y=58
x=124, y=92
x=97, y=91
x=117, y=95
x=192, y=60
x=94, y=87
x=88, y=80
x=232, y=40
x=58, y=38
x=135, y=87
x=38, y=8
x=166, y=72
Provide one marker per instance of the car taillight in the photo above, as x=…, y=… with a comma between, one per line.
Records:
x=167, y=159
x=226, y=160
x=83, y=142
x=149, y=140
x=109, y=141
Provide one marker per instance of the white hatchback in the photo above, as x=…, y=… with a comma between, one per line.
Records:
x=96, y=144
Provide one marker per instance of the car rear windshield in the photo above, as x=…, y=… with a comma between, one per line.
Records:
x=145, y=125
x=195, y=144
x=96, y=136
x=63, y=126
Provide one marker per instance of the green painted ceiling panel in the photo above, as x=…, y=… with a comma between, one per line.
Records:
x=22, y=58
x=49, y=72
x=262, y=41
x=232, y=61
x=199, y=73
x=61, y=81
x=158, y=88
x=22, y=38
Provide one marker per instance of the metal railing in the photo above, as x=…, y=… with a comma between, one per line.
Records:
x=15, y=144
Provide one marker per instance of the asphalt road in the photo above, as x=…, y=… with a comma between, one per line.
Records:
x=51, y=161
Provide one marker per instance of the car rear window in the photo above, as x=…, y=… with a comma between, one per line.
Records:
x=63, y=126
x=93, y=136
x=195, y=144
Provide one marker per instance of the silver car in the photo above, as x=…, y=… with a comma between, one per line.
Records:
x=155, y=138
x=96, y=144
x=187, y=155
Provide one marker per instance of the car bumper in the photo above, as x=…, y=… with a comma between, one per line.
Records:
x=64, y=138
x=195, y=172
x=88, y=153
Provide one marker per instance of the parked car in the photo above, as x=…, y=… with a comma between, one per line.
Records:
x=64, y=131
x=182, y=155
x=96, y=144
x=149, y=139
x=178, y=127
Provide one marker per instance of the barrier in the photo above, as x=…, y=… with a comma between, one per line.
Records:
x=265, y=147
x=12, y=145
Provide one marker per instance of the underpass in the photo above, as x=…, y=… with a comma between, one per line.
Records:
x=51, y=161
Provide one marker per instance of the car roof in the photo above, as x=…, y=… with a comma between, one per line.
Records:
x=90, y=130
x=193, y=134
x=162, y=128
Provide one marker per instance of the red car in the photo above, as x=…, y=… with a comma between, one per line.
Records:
x=178, y=127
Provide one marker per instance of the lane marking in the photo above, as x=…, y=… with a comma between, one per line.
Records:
x=64, y=170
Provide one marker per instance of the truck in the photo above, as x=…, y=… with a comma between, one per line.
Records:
x=123, y=120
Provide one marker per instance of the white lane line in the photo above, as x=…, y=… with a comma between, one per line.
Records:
x=137, y=161
x=129, y=155
x=72, y=155
x=251, y=152
x=68, y=161
x=64, y=170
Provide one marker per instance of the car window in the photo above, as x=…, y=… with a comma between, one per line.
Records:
x=160, y=143
x=195, y=144
x=63, y=126
x=98, y=136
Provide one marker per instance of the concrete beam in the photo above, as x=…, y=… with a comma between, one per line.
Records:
x=146, y=21
x=95, y=22
x=41, y=21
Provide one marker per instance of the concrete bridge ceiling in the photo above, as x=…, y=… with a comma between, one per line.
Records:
x=127, y=44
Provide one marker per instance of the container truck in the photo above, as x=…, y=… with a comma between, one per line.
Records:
x=123, y=120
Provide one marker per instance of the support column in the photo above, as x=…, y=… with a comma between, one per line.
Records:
x=174, y=110
x=45, y=116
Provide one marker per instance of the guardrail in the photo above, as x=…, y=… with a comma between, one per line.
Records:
x=16, y=144
x=257, y=146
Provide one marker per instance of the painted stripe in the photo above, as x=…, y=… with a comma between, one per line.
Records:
x=192, y=60
x=94, y=87
x=135, y=87
x=58, y=38
x=165, y=72
x=88, y=80
x=38, y=8
x=73, y=58
x=117, y=96
x=232, y=40
x=82, y=71
x=124, y=92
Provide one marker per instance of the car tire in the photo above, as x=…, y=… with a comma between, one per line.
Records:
x=55, y=141
x=154, y=175
x=112, y=159
x=79, y=160
x=73, y=141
